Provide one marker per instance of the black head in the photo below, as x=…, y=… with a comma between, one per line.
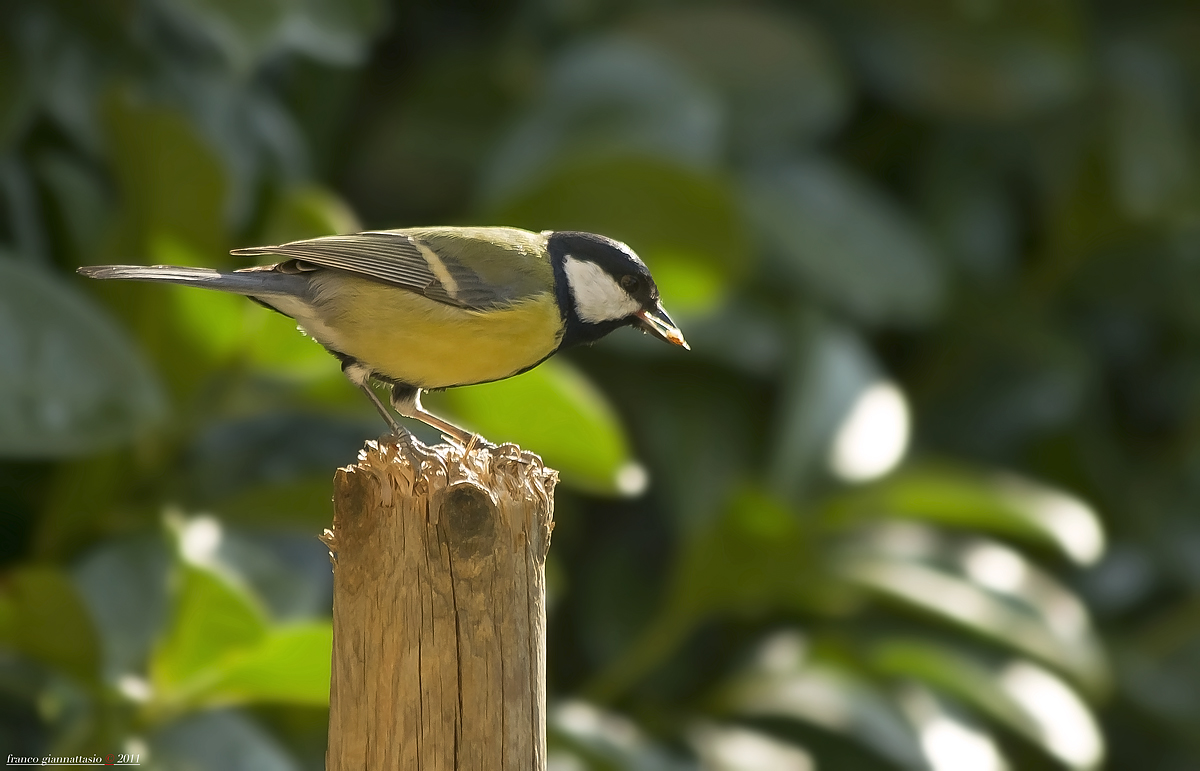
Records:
x=603, y=285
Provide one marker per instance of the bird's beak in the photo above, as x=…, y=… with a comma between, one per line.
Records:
x=659, y=324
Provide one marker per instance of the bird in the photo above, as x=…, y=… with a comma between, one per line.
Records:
x=431, y=308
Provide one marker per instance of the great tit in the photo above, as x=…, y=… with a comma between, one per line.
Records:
x=433, y=308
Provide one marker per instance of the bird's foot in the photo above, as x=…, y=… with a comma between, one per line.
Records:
x=407, y=444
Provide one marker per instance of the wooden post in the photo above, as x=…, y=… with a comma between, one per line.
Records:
x=439, y=614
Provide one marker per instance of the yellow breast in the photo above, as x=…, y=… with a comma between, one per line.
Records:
x=408, y=337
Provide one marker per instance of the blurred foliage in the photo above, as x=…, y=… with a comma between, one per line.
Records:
x=992, y=207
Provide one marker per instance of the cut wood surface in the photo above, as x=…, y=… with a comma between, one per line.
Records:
x=439, y=610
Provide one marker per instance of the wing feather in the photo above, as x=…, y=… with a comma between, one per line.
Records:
x=475, y=268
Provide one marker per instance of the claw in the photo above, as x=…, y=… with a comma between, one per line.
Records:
x=407, y=444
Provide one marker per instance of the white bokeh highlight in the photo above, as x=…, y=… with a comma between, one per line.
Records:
x=1071, y=521
x=874, y=435
x=1067, y=727
x=948, y=742
x=632, y=479
x=729, y=748
x=952, y=746
x=199, y=540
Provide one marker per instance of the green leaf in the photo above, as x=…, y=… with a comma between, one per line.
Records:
x=682, y=219
x=1152, y=153
x=272, y=468
x=607, y=98
x=693, y=286
x=243, y=30
x=1005, y=376
x=172, y=183
x=756, y=558
x=993, y=61
x=784, y=681
x=1023, y=698
x=276, y=345
x=608, y=741
x=228, y=327
x=302, y=502
x=87, y=501
x=290, y=665
x=17, y=103
x=964, y=196
x=737, y=748
x=288, y=574
x=214, y=322
x=219, y=650
x=949, y=738
x=333, y=31
x=957, y=674
x=70, y=381
x=421, y=156
x=308, y=211
x=220, y=647
x=983, y=587
x=739, y=334
x=555, y=411
x=1158, y=665
x=778, y=74
x=834, y=367
x=220, y=740
x=698, y=463
x=336, y=31
x=211, y=621
x=43, y=617
x=846, y=240
x=974, y=501
x=124, y=585
x=82, y=202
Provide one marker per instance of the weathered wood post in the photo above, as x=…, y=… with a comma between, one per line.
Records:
x=439, y=634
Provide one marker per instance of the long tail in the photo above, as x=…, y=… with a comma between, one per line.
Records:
x=258, y=283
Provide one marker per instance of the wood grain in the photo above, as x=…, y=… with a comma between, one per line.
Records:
x=439, y=610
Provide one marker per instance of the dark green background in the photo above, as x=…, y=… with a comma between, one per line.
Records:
x=993, y=204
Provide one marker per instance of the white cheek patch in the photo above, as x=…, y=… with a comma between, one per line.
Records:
x=598, y=297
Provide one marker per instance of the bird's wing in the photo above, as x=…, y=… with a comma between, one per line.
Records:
x=477, y=268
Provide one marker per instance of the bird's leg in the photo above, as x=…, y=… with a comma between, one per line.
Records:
x=361, y=376
x=406, y=400
x=397, y=429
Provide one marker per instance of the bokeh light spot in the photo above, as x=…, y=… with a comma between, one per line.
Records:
x=873, y=437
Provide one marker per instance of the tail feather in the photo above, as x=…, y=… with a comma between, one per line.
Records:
x=249, y=282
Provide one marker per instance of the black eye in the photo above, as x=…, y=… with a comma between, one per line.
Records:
x=630, y=283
